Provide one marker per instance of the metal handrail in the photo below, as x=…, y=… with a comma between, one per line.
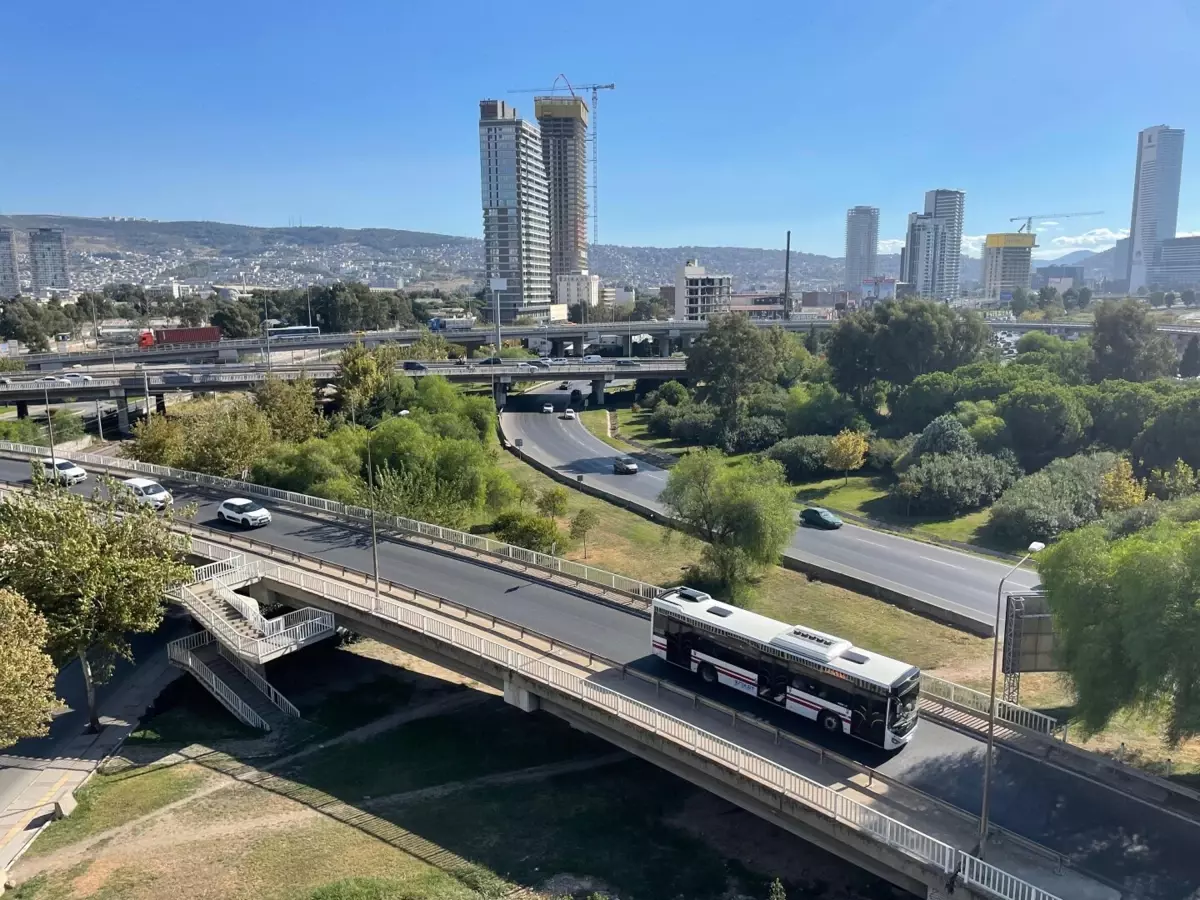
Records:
x=1009, y=713
x=219, y=689
x=265, y=687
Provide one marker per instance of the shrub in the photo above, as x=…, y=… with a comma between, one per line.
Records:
x=553, y=501
x=695, y=423
x=990, y=433
x=928, y=397
x=802, y=458
x=673, y=394
x=533, y=532
x=659, y=423
x=944, y=435
x=946, y=484
x=820, y=409
x=753, y=434
x=882, y=453
x=767, y=403
x=1063, y=496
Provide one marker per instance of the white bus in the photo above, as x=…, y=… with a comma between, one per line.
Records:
x=825, y=679
x=287, y=331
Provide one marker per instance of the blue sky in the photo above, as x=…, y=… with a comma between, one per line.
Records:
x=730, y=124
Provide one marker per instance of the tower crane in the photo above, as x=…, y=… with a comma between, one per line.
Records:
x=594, y=130
x=1028, y=226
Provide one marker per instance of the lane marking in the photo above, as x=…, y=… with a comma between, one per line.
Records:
x=34, y=810
x=942, y=562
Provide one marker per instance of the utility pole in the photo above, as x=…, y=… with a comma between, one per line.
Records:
x=50, y=427
x=787, y=269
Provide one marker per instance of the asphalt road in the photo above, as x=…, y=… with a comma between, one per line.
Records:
x=947, y=578
x=1106, y=833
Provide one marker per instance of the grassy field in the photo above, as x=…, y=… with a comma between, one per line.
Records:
x=596, y=421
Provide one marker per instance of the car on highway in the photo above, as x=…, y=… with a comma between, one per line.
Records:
x=566, y=385
x=148, y=491
x=53, y=381
x=547, y=407
x=411, y=365
x=173, y=377
x=819, y=517
x=77, y=378
x=542, y=363
x=569, y=413
x=559, y=361
x=490, y=361
x=629, y=363
x=245, y=512
x=62, y=470
x=625, y=465
x=593, y=358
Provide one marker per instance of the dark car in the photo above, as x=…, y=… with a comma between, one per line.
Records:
x=490, y=361
x=625, y=466
x=630, y=363
x=820, y=518
x=411, y=365
x=564, y=386
x=177, y=378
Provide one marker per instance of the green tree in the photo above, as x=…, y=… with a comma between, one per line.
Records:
x=847, y=452
x=1173, y=434
x=917, y=337
x=95, y=570
x=226, y=438
x=850, y=352
x=358, y=378
x=820, y=409
x=194, y=313
x=792, y=359
x=1179, y=480
x=1119, y=489
x=1021, y=302
x=744, y=515
x=537, y=533
x=1085, y=297
x=1127, y=622
x=1126, y=344
x=944, y=435
x=1157, y=298
x=1169, y=299
x=1120, y=411
x=1045, y=421
x=1189, y=366
x=552, y=502
x=289, y=407
x=160, y=440
x=238, y=319
x=582, y=524
x=1063, y=496
x=948, y=484
x=729, y=360
x=928, y=397
x=776, y=892
x=26, y=671
x=811, y=342
x=1188, y=297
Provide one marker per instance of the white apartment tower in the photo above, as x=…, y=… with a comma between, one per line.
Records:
x=48, y=261
x=564, y=122
x=1155, y=199
x=10, y=277
x=698, y=295
x=516, y=221
x=862, y=246
x=931, y=258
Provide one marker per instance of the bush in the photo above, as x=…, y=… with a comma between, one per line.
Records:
x=659, y=423
x=820, y=409
x=753, y=434
x=945, y=435
x=22, y=431
x=694, y=423
x=947, y=484
x=767, y=403
x=527, y=530
x=883, y=453
x=928, y=397
x=802, y=458
x=673, y=394
x=1063, y=496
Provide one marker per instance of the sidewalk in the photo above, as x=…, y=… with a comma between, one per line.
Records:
x=29, y=805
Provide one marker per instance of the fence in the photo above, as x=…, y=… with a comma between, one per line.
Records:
x=933, y=687
x=180, y=652
x=259, y=682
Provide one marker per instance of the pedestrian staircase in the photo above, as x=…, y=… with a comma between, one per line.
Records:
x=227, y=657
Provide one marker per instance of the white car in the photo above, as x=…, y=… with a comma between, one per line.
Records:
x=52, y=380
x=150, y=492
x=569, y=414
x=77, y=378
x=62, y=470
x=559, y=361
x=242, y=511
x=548, y=408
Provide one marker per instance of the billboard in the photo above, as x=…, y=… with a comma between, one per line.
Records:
x=1028, y=635
x=1011, y=240
x=878, y=288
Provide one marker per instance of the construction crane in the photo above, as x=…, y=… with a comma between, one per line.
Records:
x=594, y=132
x=1028, y=226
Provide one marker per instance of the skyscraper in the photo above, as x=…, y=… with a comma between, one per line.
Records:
x=931, y=259
x=10, y=278
x=564, y=123
x=1155, y=199
x=516, y=223
x=1007, y=261
x=48, y=260
x=862, y=246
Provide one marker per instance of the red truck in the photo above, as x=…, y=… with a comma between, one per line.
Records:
x=206, y=334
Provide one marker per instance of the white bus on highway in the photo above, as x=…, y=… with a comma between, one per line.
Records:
x=825, y=679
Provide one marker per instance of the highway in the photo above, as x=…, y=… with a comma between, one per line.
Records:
x=946, y=578
x=1127, y=842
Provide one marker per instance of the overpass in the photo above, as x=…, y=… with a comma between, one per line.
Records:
x=120, y=386
x=1139, y=842
x=666, y=335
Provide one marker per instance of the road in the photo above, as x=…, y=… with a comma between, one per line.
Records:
x=947, y=578
x=1105, y=833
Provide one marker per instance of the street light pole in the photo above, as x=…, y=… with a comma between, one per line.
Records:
x=267, y=330
x=991, y=732
x=374, y=533
x=50, y=427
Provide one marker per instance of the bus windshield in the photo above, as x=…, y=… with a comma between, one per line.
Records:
x=902, y=710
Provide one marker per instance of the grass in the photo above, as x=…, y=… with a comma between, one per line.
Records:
x=111, y=800
x=596, y=421
x=185, y=713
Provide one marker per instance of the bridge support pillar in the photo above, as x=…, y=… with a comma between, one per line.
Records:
x=556, y=347
x=686, y=342
x=160, y=404
x=520, y=698
x=123, y=415
x=22, y=409
x=664, y=346
x=500, y=394
x=598, y=391
x=627, y=345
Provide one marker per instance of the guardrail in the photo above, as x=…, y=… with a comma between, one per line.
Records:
x=265, y=687
x=181, y=654
x=977, y=701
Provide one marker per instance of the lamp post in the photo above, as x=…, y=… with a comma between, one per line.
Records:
x=374, y=533
x=50, y=427
x=991, y=732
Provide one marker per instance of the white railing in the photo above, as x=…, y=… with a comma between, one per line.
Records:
x=896, y=834
x=265, y=687
x=574, y=570
x=934, y=688
x=184, y=657
x=210, y=571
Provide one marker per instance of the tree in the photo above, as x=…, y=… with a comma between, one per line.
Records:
x=776, y=892
x=820, y=409
x=582, y=525
x=552, y=502
x=804, y=457
x=1189, y=366
x=1169, y=299
x=358, y=378
x=1126, y=618
x=1119, y=489
x=744, y=515
x=847, y=452
x=1120, y=411
x=947, y=484
x=928, y=397
x=945, y=434
x=850, y=352
x=1045, y=421
x=26, y=671
x=1157, y=298
x=673, y=393
x=811, y=342
x=1063, y=496
x=1085, y=297
x=1179, y=480
x=537, y=533
x=194, y=313
x=729, y=360
x=1173, y=434
x=237, y=319
x=918, y=337
x=289, y=407
x=1188, y=297
x=95, y=570
x=1126, y=344
x=1021, y=302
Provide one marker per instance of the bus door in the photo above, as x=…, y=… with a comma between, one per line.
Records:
x=868, y=717
x=679, y=644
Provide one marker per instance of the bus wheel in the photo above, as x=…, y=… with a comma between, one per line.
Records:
x=707, y=673
x=830, y=723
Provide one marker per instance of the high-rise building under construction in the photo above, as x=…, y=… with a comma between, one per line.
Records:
x=564, y=124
